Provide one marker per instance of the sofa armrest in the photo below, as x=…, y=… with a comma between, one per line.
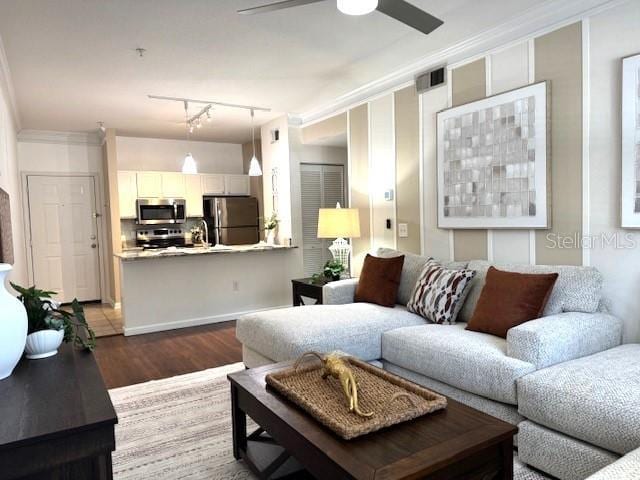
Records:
x=562, y=337
x=339, y=292
x=626, y=468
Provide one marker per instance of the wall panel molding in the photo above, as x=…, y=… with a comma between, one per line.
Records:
x=558, y=59
x=468, y=83
x=358, y=137
x=407, y=134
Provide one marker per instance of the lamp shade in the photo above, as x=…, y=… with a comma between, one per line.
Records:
x=338, y=223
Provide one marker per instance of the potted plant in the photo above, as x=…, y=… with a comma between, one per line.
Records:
x=270, y=227
x=49, y=326
x=331, y=272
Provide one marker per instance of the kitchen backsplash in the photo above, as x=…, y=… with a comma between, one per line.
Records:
x=128, y=229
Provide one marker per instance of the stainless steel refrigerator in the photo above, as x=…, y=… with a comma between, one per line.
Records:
x=232, y=220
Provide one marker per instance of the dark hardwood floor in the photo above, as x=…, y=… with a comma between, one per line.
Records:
x=140, y=358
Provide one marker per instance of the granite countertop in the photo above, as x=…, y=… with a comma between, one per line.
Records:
x=136, y=254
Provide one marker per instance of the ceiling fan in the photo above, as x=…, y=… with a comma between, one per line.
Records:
x=398, y=9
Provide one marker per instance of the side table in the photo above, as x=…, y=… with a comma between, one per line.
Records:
x=305, y=287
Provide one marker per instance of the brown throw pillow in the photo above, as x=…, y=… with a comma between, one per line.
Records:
x=379, y=280
x=509, y=299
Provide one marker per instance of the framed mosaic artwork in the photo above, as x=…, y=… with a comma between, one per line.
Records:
x=630, y=207
x=493, y=161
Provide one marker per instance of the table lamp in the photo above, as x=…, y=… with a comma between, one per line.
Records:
x=339, y=223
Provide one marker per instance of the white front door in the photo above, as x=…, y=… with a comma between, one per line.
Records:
x=64, y=236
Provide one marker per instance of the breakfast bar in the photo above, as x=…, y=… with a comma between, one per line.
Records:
x=184, y=287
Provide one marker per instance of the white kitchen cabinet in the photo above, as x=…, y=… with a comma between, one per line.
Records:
x=149, y=184
x=193, y=196
x=236, y=185
x=127, y=194
x=212, y=184
x=173, y=185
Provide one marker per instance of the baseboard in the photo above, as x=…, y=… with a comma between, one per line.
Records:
x=192, y=322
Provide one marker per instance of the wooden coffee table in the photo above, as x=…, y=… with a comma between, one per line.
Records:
x=458, y=442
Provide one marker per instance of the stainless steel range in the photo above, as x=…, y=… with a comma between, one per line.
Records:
x=161, y=238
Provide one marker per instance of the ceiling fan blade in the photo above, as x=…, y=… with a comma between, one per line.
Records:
x=409, y=15
x=276, y=6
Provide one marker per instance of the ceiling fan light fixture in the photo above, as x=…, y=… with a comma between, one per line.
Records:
x=357, y=7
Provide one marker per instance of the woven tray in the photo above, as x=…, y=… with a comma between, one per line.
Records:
x=325, y=401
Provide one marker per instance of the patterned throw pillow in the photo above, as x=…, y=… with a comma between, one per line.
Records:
x=439, y=292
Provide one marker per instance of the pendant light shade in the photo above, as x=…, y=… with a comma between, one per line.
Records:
x=254, y=168
x=357, y=7
x=254, y=164
x=189, y=166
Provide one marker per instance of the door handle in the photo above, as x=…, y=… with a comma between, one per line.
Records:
x=93, y=245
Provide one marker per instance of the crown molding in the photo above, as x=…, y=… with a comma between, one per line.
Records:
x=66, y=138
x=535, y=21
x=6, y=86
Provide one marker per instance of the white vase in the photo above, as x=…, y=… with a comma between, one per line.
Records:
x=13, y=326
x=271, y=237
x=43, y=344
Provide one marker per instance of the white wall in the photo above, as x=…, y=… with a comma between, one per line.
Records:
x=276, y=156
x=10, y=182
x=613, y=35
x=382, y=171
x=59, y=157
x=168, y=155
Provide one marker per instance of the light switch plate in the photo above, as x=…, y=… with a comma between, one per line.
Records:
x=403, y=230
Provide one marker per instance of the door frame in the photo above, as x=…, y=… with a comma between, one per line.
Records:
x=101, y=223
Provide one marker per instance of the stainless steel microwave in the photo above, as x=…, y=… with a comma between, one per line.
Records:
x=156, y=211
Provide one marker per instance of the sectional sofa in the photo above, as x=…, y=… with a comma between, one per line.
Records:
x=508, y=378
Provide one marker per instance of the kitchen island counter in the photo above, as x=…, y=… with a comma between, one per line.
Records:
x=184, y=287
x=136, y=254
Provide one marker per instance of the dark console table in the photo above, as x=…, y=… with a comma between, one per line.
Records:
x=56, y=420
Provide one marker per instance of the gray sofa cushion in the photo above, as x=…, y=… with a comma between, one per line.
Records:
x=627, y=468
x=356, y=329
x=411, y=270
x=560, y=455
x=594, y=398
x=578, y=289
x=472, y=361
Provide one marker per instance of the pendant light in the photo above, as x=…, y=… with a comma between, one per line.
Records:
x=189, y=165
x=254, y=165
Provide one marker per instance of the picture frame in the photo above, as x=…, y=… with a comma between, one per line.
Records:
x=493, y=161
x=630, y=161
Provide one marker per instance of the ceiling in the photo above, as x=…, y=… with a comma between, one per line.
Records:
x=73, y=62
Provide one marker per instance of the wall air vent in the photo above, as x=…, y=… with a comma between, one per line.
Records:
x=431, y=79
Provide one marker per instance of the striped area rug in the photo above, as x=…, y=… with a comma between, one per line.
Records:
x=180, y=428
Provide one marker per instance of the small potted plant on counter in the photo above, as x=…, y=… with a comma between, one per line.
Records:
x=270, y=228
x=49, y=325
